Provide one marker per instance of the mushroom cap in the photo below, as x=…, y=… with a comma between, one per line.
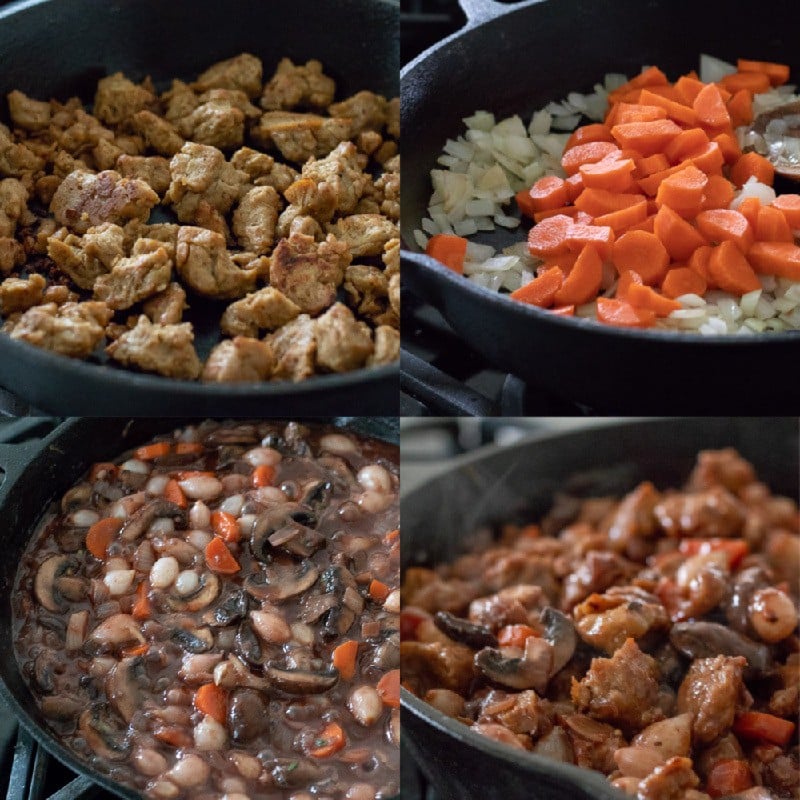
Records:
x=278, y=583
x=103, y=735
x=205, y=594
x=302, y=681
x=44, y=587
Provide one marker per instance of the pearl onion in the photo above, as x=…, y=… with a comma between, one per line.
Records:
x=365, y=705
x=375, y=478
x=187, y=582
x=210, y=735
x=119, y=581
x=164, y=572
x=189, y=770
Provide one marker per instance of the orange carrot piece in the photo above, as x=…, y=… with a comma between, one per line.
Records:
x=725, y=224
x=650, y=164
x=101, y=534
x=549, y=237
x=683, y=191
x=698, y=263
x=219, y=558
x=151, y=451
x=330, y=741
x=710, y=107
x=344, y=659
x=141, y=607
x=776, y=258
x=174, y=493
x=728, y=776
x=666, y=91
x=752, y=82
x=652, y=76
x=646, y=137
x=548, y=192
x=740, y=107
x=718, y=193
x=789, y=206
x=729, y=147
x=583, y=281
x=685, y=143
x=682, y=280
x=766, y=727
x=226, y=526
x=752, y=165
x=688, y=88
x=597, y=202
x=679, y=237
x=564, y=262
x=622, y=314
x=643, y=253
x=588, y=153
x=601, y=236
x=749, y=208
x=611, y=173
x=647, y=224
x=103, y=469
x=636, y=112
x=378, y=590
x=515, y=635
x=731, y=271
x=568, y=211
x=136, y=650
x=596, y=132
x=388, y=688
x=563, y=311
x=645, y=297
x=650, y=184
x=676, y=111
x=263, y=475
x=525, y=203
x=574, y=186
x=734, y=549
x=212, y=701
x=627, y=279
x=771, y=226
x=778, y=74
x=623, y=219
x=709, y=159
x=541, y=290
x=448, y=250
x=187, y=448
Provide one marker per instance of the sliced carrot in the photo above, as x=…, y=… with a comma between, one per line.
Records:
x=683, y=191
x=752, y=165
x=574, y=186
x=612, y=173
x=344, y=659
x=725, y=225
x=525, y=203
x=597, y=202
x=103, y=470
x=709, y=159
x=778, y=74
x=226, y=526
x=378, y=590
x=651, y=76
x=137, y=650
x=596, y=132
x=718, y=192
x=789, y=206
x=735, y=549
x=627, y=279
x=666, y=91
x=740, y=107
x=752, y=82
x=541, y=290
x=676, y=111
x=601, y=236
x=263, y=475
x=391, y=536
x=636, y=112
x=647, y=224
x=731, y=271
x=448, y=250
x=564, y=262
x=548, y=192
x=729, y=147
x=650, y=184
x=646, y=137
x=549, y=237
x=186, y=448
x=650, y=164
x=152, y=451
x=684, y=144
x=749, y=208
x=643, y=253
x=174, y=493
x=766, y=727
x=219, y=558
x=388, y=688
x=141, y=607
x=645, y=297
x=688, y=88
x=515, y=635
x=101, y=534
x=771, y=226
x=728, y=776
x=563, y=311
x=212, y=701
x=698, y=263
x=329, y=742
x=589, y=153
x=682, y=280
x=568, y=211
x=710, y=107
x=583, y=281
x=776, y=258
x=623, y=219
x=679, y=237
x=622, y=314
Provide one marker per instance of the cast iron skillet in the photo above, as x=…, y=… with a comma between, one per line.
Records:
x=39, y=470
x=502, y=484
x=58, y=49
x=513, y=60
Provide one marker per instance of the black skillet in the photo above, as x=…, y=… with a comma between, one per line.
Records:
x=37, y=469
x=513, y=60
x=499, y=484
x=50, y=48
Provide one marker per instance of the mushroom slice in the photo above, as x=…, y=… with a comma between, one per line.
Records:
x=708, y=639
x=517, y=673
x=280, y=583
x=285, y=527
x=248, y=715
x=44, y=671
x=338, y=621
x=462, y=630
x=77, y=497
x=102, y=735
x=559, y=632
x=232, y=609
x=61, y=707
x=117, y=630
x=122, y=686
x=200, y=640
x=205, y=594
x=247, y=643
x=301, y=681
x=141, y=519
x=317, y=496
x=44, y=585
x=232, y=674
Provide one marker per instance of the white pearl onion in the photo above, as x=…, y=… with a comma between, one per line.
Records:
x=187, y=582
x=337, y=443
x=210, y=735
x=134, y=465
x=189, y=770
x=263, y=456
x=375, y=478
x=232, y=505
x=83, y=518
x=156, y=485
x=164, y=572
x=116, y=563
x=199, y=539
x=392, y=602
x=119, y=581
x=365, y=705
x=149, y=762
x=162, y=525
x=200, y=516
x=201, y=487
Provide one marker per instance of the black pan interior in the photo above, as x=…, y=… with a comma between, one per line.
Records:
x=57, y=49
x=38, y=471
x=518, y=483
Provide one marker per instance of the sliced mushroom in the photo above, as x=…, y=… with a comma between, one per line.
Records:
x=70, y=540
x=71, y=588
x=233, y=674
x=79, y=496
x=559, y=632
x=517, y=673
x=232, y=609
x=248, y=645
x=337, y=621
x=745, y=585
x=285, y=527
x=200, y=640
x=141, y=519
x=709, y=639
x=44, y=585
x=248, y=715
x=44, y=671
x=301, y=681
x=205, y=594
x=123, y=686
x=103, y=735
x=462, y=630
x=290, y=773
x=277, y=583
x=317, y=495
x=61, y=707
x=116, y=631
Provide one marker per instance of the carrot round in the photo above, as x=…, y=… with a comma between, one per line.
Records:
x=601, y=236
x=388, y=688
x=589, y=153
x=740, y=107
x=448, y=250
x=771, y=226
x=263, y=475
x=101, y=534
x=789, y=206
x=344, y=659
x=596, y=132
x=750, y=82
x=515, y=635
x=688, y=87
x=378, y=590
x=525, y=203
x=728, y=777
x=649, y=165
x=583, y=281
x=626, y=279
x=212, y=701
x=710, y=107
x=643, y=253
x=542, y=290
x=726, y=225
x=767, y=727
x=622, y=314
x=685, y=143
x=731, y=271
x=646, y=138
x=776, y=258
x=152, y=451
x=683, y=191
x=623, y=219
x=219, y=558
x=330, y=741
x=597, y=202
x=682, y=280
x=729, y=147
x=645, y=297
x=698, y=262
x=676, y=110
x=226, y=526
x=679, y=237
x=718, y=192
x=778, y=74
x=548, y=192
x=709, y=159
x=752, y=165
x=549, y=237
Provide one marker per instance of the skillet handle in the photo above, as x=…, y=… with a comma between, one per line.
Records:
x=23, y=439
x=478, y=11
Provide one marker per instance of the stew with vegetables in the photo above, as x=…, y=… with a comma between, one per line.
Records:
x=216, y=615
x=653, y=638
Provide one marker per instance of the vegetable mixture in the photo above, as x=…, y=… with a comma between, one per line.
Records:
x=652, y=638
